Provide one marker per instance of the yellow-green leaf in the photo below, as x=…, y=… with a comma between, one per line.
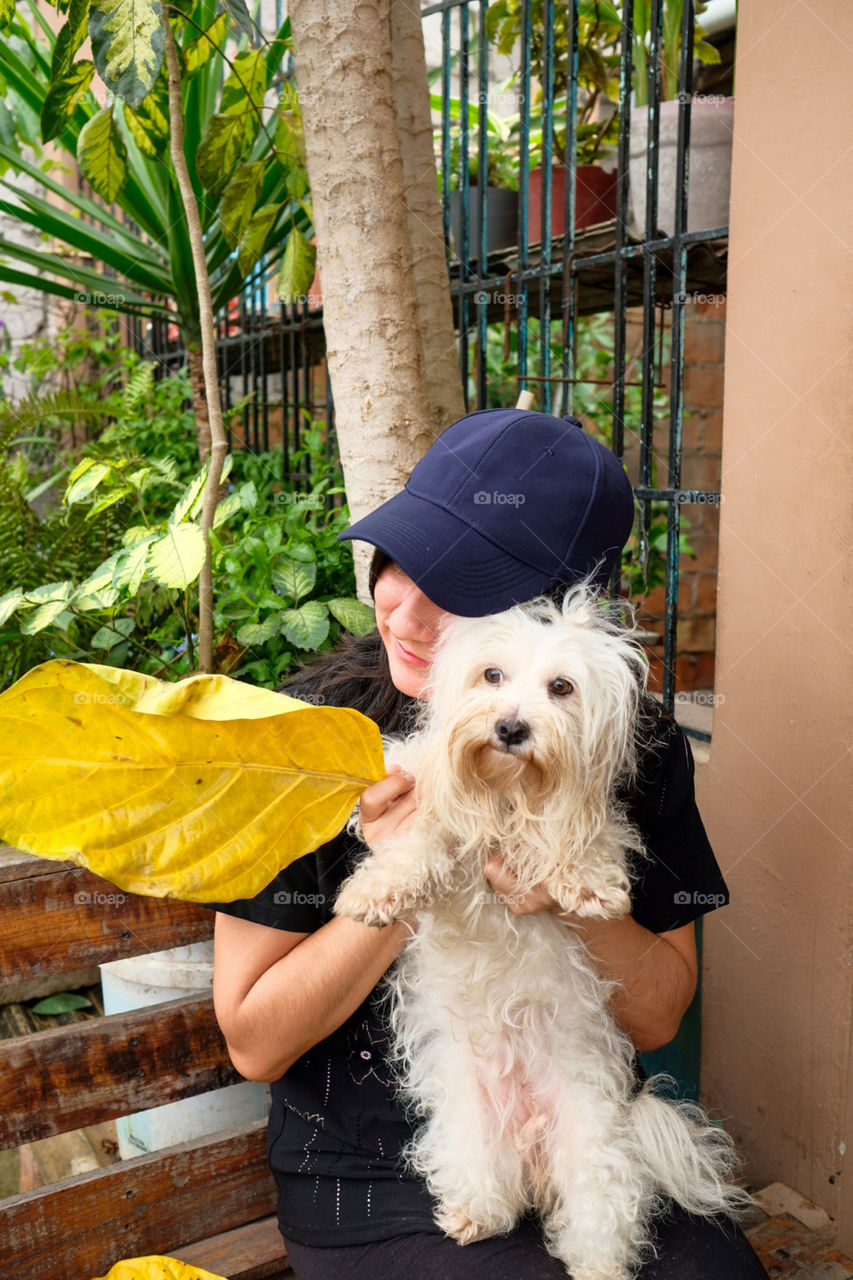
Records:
x=127, y=45
x=70, y=38
x=358, y=618
x=175, y=560
x=297, y=268
x=201, y=790
x=255, y=235
x=63, y=98
x=205, y=45
x=7, y=12
x=228, y=138
x=239, y=199
x=149, y=123
x=307, y=626
x=157, y=1268
x=102, y=155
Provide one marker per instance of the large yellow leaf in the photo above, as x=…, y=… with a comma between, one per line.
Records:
x=157, y=1268
x=201, y=790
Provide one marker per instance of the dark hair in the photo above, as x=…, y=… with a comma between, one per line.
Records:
x=356, y=674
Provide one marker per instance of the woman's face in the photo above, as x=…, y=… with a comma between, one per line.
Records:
x=410, y=626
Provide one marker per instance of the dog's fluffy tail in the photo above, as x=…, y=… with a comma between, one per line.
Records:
x=686, y=1157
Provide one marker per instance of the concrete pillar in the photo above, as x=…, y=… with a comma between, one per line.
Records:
x=776, y=792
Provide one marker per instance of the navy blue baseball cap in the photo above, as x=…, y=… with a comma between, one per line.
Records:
x=506, y=504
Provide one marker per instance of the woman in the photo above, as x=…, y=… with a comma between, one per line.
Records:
x=505, y=506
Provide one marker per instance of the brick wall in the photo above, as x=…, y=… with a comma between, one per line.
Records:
x=702, y=446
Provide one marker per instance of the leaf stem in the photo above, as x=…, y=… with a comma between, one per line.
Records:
x=218, y=440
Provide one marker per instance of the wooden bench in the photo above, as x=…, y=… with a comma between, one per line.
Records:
x=208, y=1201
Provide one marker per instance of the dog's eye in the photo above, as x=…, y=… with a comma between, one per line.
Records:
x=561, y=687
x=493, y=675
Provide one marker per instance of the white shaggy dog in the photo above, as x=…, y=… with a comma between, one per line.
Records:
x=508, y=1055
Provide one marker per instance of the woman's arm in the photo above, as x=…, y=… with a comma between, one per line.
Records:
x=656, y=973
x=278, y=993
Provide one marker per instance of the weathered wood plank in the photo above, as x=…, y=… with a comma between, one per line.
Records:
x=68, y=919
x=68, y=1077
x=253, y=1252
x=153, y=1204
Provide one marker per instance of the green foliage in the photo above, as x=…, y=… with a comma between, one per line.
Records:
x=109, y=573
x=122, y=150
x=62, y=1002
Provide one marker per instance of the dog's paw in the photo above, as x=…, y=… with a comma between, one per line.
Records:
x=601, y=901
x=368, y=897
x=457, y=1224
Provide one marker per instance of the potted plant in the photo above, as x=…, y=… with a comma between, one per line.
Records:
x=501, y=178
x=710, y=129
x=599, y=27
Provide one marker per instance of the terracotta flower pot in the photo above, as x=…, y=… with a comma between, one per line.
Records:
x=595, y=199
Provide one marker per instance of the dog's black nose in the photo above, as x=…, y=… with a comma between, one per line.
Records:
x=511, y=733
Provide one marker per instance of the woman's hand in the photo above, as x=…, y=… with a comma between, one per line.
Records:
x=504, y=882
x=386, y=807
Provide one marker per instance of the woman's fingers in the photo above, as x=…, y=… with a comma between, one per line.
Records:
x=504, y=882
x=380, y=796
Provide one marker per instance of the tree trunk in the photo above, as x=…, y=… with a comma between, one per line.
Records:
x=386, y=305
x=195, y=363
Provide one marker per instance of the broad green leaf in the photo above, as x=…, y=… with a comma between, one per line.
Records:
x=254, y=237
x=175, y=560
x=294, y=578
x=239, y=12
x=42, y=617
x=62, y=1002
x=202, y=49
x=259, y=632
x=296, y=182
x=102, y=155
x=70, y=39
x=290, y=140
x=149, y=123
x=228, y=507
x=307, y=626
x=239, y=199
x=84, y=479
x=9, y=603
x=127, y=45
x=297, y=268
x=108, y=637
x=228, y=138
x=130, y=567
x=7, y=12
x=190, y=501
x=157, y=1267
x=48, y=592
x=302, y=551
x=108, y=500
x=201, y=790
x=244, y=89
x=358, y=618
x=63, y=98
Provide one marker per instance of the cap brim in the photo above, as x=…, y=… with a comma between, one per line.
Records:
x=455, y=566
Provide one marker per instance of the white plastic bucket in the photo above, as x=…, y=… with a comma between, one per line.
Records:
x=151, y=979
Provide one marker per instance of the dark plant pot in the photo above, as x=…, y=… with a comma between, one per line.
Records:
x=595, y=199
x=501, y=220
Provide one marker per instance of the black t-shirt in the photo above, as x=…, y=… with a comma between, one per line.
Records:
x=336, y=1127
